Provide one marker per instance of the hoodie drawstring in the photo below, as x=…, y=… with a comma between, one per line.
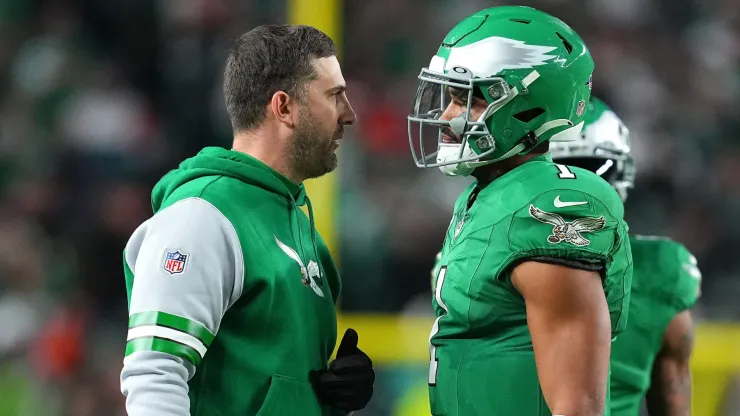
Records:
x=313, y=230
x=297, y=225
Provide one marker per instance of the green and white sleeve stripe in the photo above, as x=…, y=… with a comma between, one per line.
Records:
x=167, y=333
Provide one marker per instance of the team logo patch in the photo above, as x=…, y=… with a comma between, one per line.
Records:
x=313, y=271
x=570, y=232
x=175, y=262
x=310, y=275
x=459, y=227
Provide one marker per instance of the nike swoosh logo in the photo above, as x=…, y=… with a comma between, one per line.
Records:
x=560, y=204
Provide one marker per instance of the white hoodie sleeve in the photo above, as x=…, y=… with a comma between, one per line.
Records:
x=188, y=269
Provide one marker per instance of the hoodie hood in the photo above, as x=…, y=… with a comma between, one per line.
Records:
x=217, y=161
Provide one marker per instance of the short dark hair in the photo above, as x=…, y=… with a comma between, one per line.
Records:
x=267, y=59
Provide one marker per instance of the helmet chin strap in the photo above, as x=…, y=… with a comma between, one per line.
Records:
x=520, y=147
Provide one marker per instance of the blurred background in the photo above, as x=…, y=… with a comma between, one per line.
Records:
x=98, y=99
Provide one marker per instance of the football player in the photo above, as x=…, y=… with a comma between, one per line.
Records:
x=534, y=273
x=651, y=357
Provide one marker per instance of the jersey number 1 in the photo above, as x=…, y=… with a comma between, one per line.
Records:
x=433, y=361
x=564, y=172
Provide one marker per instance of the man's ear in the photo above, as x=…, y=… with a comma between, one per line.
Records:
x=284, y=108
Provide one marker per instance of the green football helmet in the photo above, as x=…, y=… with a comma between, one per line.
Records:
x=603, y=148
x=533, y=71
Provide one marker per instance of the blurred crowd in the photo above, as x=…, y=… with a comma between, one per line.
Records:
x=99, y=98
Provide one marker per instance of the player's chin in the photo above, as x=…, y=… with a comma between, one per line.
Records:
x=320, y=165
x=326, y=165
x=331, y=163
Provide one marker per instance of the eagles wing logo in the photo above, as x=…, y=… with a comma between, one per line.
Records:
x=309, y=275
x=569, y=232
x=494, y=54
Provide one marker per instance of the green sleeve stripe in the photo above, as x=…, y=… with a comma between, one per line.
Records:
x=165, y=346
x=175, y=322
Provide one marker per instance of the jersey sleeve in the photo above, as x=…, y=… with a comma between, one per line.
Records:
x=567, y=226
x=687, y=287
x=184, y=270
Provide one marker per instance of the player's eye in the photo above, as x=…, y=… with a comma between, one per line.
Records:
x=458, y=97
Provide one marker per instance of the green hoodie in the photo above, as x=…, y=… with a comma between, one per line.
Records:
x=231, y=266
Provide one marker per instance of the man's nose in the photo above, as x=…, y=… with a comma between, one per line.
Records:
x=348, y=116
x=453, y=110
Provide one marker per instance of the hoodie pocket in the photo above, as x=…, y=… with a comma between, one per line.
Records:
x=289, y=397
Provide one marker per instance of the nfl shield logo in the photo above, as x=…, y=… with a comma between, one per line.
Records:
x=174, y=262
x=581, y=107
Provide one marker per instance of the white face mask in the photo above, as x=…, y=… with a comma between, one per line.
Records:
x=451, y=151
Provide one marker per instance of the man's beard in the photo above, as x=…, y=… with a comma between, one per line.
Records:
x=312, y=150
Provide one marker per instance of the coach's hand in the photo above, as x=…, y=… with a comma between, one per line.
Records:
x=348, y=382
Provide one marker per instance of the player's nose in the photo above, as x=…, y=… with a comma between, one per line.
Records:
x=347, y=116
x=453, y=110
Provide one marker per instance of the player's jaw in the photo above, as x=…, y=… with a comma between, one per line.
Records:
x=312, y=147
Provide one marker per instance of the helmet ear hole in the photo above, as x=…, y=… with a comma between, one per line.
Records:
x=528, y=115
x=568, y=46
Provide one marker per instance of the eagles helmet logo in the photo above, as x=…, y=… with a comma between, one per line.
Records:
x=570, y=232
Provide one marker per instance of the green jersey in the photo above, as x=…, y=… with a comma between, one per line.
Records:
x=482, y=360
x=666, y=281
x=231, y=295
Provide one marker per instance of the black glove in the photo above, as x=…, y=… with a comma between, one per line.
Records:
x=347, y=384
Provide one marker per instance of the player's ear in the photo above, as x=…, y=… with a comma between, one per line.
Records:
x=283, y=108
